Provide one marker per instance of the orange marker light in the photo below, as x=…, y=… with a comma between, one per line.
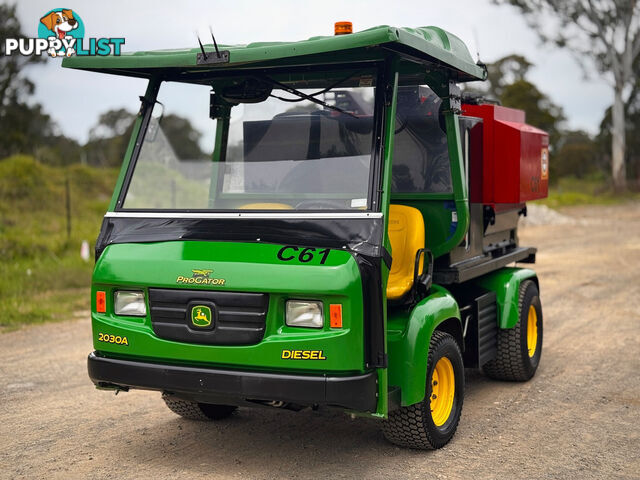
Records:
x=343, y=28
x=335, y=314
x=101, y=302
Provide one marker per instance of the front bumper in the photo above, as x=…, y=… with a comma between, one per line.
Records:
x=236, y=387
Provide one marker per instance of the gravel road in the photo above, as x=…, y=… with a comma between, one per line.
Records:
x=578, y=418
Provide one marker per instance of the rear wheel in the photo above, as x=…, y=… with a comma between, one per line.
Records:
x=431, y=423
x=520, y=347
x=197, y=411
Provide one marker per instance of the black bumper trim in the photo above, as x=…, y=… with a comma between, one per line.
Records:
x=353, y=392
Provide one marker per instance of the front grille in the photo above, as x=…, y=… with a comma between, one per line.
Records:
x=239, y=318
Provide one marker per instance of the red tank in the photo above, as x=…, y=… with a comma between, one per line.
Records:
x=514, y=159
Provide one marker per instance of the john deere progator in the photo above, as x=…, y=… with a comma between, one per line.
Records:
x=344, y=234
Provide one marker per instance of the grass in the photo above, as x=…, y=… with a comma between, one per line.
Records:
x=569, y=191
x=43, y=289
x=42, y=277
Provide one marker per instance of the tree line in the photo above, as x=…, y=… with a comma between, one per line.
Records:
x=26, y=128
x=574, y=153
x=604, y=36
x=607, y=34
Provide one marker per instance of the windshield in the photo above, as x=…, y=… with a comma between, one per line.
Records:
x=295, y=148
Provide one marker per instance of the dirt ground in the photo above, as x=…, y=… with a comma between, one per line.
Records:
x=578, y=418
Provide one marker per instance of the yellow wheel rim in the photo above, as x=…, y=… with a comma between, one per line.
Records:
x=532, y=331
x=443, y=389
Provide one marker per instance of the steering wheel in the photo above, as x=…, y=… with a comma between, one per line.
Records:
x=320, y=205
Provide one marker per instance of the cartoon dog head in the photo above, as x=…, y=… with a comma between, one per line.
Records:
x=60, y=23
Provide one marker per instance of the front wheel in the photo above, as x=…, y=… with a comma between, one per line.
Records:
x=195, y=410
x=431, y=423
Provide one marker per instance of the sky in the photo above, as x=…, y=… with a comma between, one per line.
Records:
x=75, y=99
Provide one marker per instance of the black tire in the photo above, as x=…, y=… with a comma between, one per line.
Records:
x=413, y=426
x=513, y=362
x=197, y=411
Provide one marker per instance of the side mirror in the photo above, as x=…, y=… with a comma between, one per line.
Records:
x=154, y=122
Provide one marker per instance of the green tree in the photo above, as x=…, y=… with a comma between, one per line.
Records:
x=183, y=137
x=13, y=84
x=24, y=127
x=577, y=156
x=505, y=71
x=632, y=135
x=109, y=138
x=58, y=150
x=113, y=123
x=507, y=83
x=541, y=111
x=604, y=34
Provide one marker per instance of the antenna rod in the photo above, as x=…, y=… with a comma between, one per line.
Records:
x=204, y=54
x=215, y=44
x=477, y=42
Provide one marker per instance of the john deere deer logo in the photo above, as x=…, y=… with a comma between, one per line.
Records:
x=201, y=316
x=201, y=273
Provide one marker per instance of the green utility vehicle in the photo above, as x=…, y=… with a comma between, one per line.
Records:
x=339, y=235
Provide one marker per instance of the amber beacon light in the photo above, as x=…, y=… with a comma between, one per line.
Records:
x=342, y=28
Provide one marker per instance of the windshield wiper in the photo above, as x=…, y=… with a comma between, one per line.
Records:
x=304, y=96
x=319, y=92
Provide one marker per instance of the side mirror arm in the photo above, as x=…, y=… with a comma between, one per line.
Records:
x=422, y=281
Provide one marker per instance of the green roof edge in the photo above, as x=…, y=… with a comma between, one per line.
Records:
x=424, y=41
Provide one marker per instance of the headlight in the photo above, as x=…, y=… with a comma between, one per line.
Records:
x=130, y=304
x=304, y=314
